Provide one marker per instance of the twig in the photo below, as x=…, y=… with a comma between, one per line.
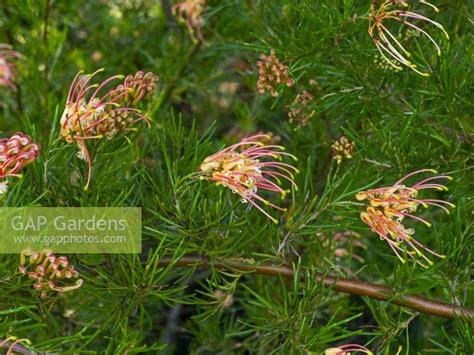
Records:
x=351, y=286
x=169, y=14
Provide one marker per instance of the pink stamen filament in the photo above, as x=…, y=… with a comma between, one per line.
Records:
x=431, y=186
x=395, y=40
x=413, y=173
x=414, y=217
x=438, y=49
x=431, y=178
x=392, y=49
x=281, y=175
x=104, y=83
x=421, y=17
x=70, y=93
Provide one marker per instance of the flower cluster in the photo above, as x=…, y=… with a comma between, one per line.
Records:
x=135, y=88
x=271, y=74
x=15, y=153
x=7, y=69
x=342, y=148
x=12, y=343
x=239, y=168
x=391, y=49
x=300, y=112
x=89, y=115
x=49, y=271
x=347, y=349
x=190, y=12
x=389, y=206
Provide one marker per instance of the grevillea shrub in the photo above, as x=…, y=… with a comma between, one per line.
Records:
x=303, y=170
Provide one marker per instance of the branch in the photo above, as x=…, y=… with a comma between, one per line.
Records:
x=351, y=286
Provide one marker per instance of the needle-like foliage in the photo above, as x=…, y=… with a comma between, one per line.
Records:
x=217, y=276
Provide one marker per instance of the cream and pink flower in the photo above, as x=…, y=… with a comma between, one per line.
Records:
x=93, y=112
x=49, y=272
x=190, y=12
x=248, y=168
x=15, y=153
x=390, y=48
x=389, y=206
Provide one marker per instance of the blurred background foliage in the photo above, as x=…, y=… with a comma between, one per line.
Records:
x=399, y=121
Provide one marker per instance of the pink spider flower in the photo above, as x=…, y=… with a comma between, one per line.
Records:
x=91, y=114
x=389, y=206
x=15, y=153
x=13, y=347
x=391, y=49
x=7, y=68
x=347, y=349
x=190, y=12
x=240, y=168
x=48, y=271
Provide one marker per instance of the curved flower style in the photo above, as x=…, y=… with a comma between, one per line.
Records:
x=190, y=12
x=48, y=271
x=12, y=343
x=239, y=168
x=272, y=73
x=89, y=115
x=7, y=69
x=390, y=205
x=15, y=153
x=390, y=48
x=347, y=349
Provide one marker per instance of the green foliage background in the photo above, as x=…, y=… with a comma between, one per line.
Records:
x=400, y=122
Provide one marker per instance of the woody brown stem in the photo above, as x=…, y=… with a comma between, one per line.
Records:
x=350, y=286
